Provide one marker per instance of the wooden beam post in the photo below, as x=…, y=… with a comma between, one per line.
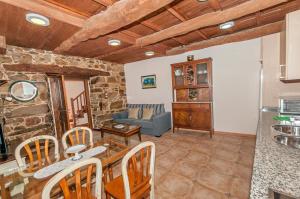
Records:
x=115, y=17
x=235, y=37
x=209, y=19
x=2, y=45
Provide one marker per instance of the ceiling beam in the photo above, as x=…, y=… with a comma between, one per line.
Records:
x=182, y=18
x=55, y=69
x=235, y=37
x=209, y=19
x=105, y=3
x=49, y=10
x=215, y=4
x=113, y=18
x=2, y=45
x=157, y=28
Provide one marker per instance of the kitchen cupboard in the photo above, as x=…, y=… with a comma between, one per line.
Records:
x=290, y=49
x=192, y=95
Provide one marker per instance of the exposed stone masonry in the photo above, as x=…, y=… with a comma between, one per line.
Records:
x=26, y=119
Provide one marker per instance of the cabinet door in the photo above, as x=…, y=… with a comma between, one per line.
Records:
x=182, y=118
x=202, y=73
x=201, y=117
x=189, y=75
x=178, y=74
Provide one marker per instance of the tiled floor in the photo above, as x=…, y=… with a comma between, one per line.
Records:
x=191, y=165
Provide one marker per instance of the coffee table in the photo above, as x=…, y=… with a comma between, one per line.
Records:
x=127, y=131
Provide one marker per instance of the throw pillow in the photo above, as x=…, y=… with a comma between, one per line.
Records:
x=133, y=113
x=147, y=113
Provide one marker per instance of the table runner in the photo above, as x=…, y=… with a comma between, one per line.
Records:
x=61, y=165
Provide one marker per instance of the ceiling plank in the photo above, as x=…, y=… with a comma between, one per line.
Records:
x=2, y=45
x=235, y=37
x=215, y=4
x=49, y=10
x=115, y=17
x=209, y=19
x=182, y=18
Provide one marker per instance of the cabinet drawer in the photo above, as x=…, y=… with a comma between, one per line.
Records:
x=192, y=106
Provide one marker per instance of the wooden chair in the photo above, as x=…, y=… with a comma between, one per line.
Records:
x=137, y=179
x=80, y=136
x=79, y=191
x=37, y=159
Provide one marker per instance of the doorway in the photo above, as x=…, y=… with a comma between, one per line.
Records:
x=70, y=103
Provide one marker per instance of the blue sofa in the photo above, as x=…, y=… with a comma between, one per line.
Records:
x=160, y=122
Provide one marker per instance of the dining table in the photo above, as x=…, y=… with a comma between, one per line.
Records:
x=114, y=152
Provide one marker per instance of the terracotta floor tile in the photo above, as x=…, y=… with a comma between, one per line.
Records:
x=197, y=158
x=226, y=155
x=188, y=169
x=222, y=166
x=243, y=171
x=178, y=153
x=201, y=192
x=165, y=161
x=190, y=165
x=240, y=188
x=246, y=159
x=215, y=180
x=177, y=185
x=228, y=147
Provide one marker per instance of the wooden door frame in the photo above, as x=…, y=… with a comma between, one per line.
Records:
x=49, y=76
x=85, y=80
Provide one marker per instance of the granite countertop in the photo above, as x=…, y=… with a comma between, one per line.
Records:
x=275, y=166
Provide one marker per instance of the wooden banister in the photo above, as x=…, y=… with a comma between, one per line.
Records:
x=78, y=105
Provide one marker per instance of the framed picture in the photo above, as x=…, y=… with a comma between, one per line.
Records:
x=148, y=81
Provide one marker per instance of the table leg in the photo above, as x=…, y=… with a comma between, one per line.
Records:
x=102, y=134
x=126, y=141
x=140, y=136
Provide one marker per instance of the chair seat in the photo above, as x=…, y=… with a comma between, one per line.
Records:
x=115, y=188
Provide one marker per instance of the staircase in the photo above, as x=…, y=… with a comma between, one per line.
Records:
x=79, y=107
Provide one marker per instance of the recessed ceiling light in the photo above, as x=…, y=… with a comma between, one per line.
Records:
x=149, y=53
x=114, y=42
x=37, y=19
x=226, y=25
x=201, y=0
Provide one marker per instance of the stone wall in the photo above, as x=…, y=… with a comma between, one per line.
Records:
x=25, y=119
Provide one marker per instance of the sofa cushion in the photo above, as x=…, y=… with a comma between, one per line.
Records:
x=133, y=113
x=157, y=108
x=147, y=113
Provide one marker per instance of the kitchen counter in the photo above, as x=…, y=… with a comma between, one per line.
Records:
x=275, y=166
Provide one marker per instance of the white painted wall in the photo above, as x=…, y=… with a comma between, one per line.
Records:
x=236, y=70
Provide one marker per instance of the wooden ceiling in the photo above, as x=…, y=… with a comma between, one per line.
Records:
x=68, y=17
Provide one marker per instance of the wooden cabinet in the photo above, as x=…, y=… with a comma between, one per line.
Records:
x=290, y=48
x=192, y=95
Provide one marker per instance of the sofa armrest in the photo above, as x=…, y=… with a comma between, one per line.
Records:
x=162, y=121
x=120, y=115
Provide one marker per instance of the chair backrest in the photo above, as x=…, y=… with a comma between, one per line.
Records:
x=36, y=158
x=77, y=173
x=77, y=135
x=138, y=165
